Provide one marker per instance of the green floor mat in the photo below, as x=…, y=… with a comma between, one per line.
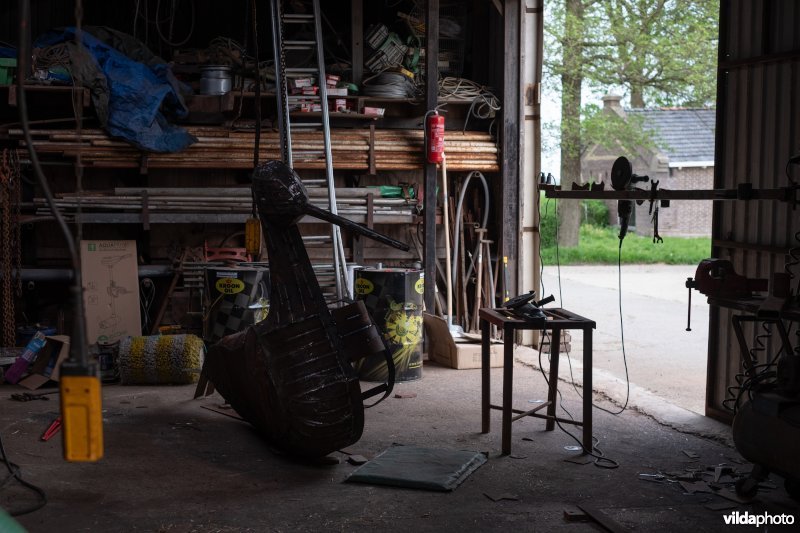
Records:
x=419, y=468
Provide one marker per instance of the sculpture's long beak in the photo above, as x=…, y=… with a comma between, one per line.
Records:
x=327, y=216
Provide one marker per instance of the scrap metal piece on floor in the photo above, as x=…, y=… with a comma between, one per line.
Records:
x=419, y=468
x=603, y=519
x=496, y=497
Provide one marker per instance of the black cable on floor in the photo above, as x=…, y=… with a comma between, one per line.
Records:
x=600, y=460
x=14, y=473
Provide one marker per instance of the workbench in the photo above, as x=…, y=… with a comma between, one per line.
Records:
x=556, y=321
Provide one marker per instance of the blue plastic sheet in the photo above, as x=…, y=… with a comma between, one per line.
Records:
x=135, y=94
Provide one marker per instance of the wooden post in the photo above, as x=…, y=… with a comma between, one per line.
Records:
x=431, y=100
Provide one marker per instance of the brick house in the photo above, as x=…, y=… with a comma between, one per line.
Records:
x=684, y=159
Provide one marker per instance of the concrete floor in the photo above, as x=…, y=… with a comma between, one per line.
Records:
x=172, y=466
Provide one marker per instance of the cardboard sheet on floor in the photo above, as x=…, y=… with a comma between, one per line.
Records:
x=419, y=468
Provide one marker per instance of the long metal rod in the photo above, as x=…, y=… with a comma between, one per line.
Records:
x=339, y=257
x=78, y=350
x=787, y=194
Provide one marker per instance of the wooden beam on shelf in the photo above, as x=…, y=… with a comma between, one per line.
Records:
x=219, y=148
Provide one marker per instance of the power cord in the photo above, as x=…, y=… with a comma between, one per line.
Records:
x=485, y=104
x=600, y=460
x=389, y=84
x=561, y=303
x=15, y=473
x=621, y=335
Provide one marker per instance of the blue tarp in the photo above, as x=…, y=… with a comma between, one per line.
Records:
x=135, y=93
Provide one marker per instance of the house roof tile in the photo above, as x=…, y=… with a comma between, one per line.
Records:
x=683, y=134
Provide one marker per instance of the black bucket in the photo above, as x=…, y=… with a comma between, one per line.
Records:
x=393, y=297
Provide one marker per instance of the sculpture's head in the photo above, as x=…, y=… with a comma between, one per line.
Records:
x=282, y=199
x=279, y=193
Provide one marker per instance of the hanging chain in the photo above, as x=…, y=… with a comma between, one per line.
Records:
x=16, y=198
x=257, y=106
x=9, y=186
x=284, y=88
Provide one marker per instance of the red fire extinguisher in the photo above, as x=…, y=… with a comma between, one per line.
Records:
x=434, y=135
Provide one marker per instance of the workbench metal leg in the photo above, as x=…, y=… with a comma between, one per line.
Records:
x=587, y=390
x=508, y=382
x=485, y=381
x=552, y=393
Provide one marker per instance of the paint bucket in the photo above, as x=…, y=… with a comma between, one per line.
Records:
x=215, y=79
x=235, y=299
x=393, y=297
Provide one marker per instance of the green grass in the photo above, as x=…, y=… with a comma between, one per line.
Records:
x=599, y=245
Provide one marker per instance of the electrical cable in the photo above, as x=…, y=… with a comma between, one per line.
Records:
x=622, y=331
x=389, y=84
x=14, y=472
x=622, y=336
x=558, y=259
x=485, y=104
x=79, y=346
x=168, y=40
x=459, y=206
x=545, y=334
x=600, y=460
x=147, y=291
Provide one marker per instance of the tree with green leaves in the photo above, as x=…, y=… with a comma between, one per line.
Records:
x=655, y=51
x=661, y=52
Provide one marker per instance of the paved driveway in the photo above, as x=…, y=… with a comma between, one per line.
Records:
x=662, y=357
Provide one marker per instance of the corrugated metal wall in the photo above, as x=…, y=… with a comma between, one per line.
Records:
x=757, y=132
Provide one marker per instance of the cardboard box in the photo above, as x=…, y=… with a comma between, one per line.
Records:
x=444, y=350
x=297, y=83
x=47, y=364
x=111, y=290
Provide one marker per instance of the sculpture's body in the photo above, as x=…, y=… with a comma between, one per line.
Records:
x=291, y=375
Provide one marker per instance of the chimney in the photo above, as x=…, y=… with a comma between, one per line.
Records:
x=612, y=104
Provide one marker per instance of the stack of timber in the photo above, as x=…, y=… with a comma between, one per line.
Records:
x=219, y=148
x=236, y=202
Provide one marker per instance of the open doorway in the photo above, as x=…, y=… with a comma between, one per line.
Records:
x=591, y=116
